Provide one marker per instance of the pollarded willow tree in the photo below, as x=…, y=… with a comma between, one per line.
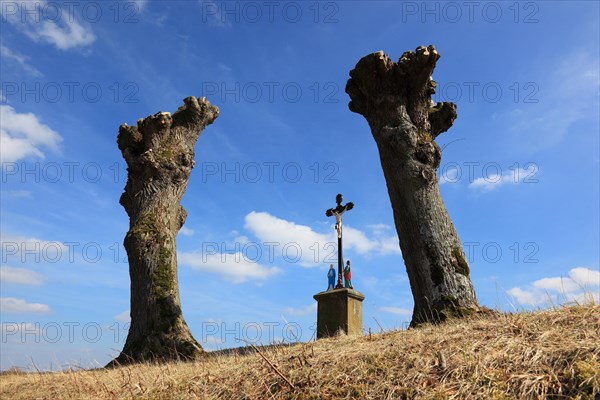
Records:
x=159, y=152
x=395, y=99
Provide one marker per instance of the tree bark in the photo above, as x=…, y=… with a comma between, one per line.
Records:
x=395, y=99
x=159, y=152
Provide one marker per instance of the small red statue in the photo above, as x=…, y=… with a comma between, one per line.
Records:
x=348, y=275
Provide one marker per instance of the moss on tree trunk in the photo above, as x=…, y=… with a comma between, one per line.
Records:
x=395, y=99
x=159, y=152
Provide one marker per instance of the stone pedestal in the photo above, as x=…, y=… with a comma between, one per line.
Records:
x=339, y=309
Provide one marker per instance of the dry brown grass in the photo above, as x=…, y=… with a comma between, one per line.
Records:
x=547, y=354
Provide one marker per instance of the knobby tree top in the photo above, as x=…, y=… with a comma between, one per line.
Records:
x=378, y=87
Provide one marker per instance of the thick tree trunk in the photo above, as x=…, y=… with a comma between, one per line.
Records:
x=395, y=99
x=159, y=152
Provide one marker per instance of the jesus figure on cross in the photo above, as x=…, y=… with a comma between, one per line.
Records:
x=337, y=212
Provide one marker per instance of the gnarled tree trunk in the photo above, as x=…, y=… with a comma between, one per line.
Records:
x=159, y=152
x=395, y=99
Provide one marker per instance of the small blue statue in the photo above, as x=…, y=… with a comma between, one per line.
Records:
x=331, y=278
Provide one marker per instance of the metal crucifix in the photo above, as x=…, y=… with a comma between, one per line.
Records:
x=337, y=212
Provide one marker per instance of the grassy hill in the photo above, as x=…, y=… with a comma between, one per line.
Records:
x=546, y=354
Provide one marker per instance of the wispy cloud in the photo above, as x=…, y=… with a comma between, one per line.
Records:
x=224, y=67
x=141, y=4
x=582, y=284
x=23, y=135
x=13, y=305
x=185, y=231
x=511, y=177
x=20, y=59
x=568, y=94
x=64, y=32
x=20, y=194
x=21, y=276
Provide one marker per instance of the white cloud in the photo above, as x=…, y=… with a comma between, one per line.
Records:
x=241, y=239
x=558, y=284
x=396, y=310
x=581, y=285
x=22, y=276
x=303, y=311
x=74, y=35
x=141, y=4
x=24, y=249
x=20, y=194
x=353, y=238
x=123, y=316
x=13, y=305
x=388, y=244
x=524, y=297
x=513, y=176
x=316, y=247
x=223, y=67
x=450, y=175
x=289, y=236
x=236, y=267
x=20, y=59
x=185, y=231
x=23, y=135
x=585, y=277
x=379, y=229
x=57, y=27
x=294, y=242
x=386, y=238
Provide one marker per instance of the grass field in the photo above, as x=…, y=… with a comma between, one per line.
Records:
x=545, y=354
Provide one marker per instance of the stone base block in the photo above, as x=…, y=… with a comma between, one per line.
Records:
x=339, y=309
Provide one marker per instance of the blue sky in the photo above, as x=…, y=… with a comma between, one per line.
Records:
x=519, y=174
